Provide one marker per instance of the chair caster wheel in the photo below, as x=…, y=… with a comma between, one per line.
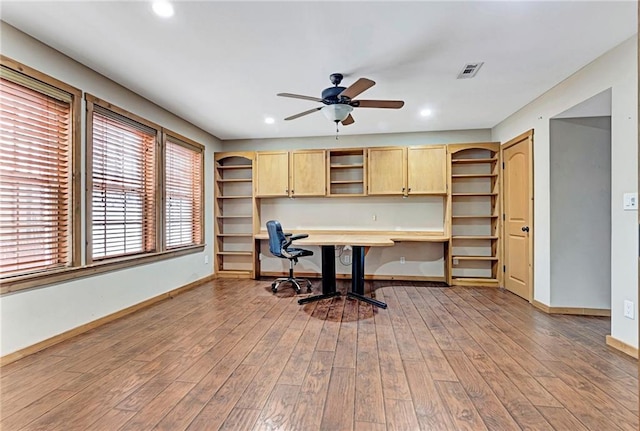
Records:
x=274, y=288
x=308, y=286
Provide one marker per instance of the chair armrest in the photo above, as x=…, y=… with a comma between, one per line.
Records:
x=291, y=238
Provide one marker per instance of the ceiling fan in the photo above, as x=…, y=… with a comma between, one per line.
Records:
x=338, y=101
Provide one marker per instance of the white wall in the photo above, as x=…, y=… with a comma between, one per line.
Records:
x=28, y=317
x=617, y=70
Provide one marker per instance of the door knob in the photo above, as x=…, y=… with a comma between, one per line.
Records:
x=525, y=228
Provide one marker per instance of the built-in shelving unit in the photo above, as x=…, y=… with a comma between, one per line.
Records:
x=235, y=208
x=475, y=214
x=346, y=172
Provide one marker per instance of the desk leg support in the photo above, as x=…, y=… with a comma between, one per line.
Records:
x=328, y=276
x=357, y=279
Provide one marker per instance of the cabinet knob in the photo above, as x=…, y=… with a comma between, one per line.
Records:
x=409, y=190
x=403, y=189
x=525, y=228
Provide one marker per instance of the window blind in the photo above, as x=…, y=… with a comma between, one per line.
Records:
x=183, y=194
x=123, y=186
x=35, y=175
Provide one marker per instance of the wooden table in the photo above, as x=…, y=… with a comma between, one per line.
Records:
x=359, y=242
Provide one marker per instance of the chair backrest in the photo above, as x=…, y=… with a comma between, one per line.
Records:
x=276, y=237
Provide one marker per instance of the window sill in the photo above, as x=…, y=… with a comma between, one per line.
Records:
x=41, y=279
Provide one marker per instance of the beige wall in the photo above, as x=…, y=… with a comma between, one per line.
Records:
x=618, y=70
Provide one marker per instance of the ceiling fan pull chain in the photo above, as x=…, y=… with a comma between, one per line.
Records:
x=337, y=131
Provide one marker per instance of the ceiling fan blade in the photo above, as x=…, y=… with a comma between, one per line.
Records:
x=348, y=120
x=301, y=114
x=357, y=87
x=299, y=96
x=390, y=104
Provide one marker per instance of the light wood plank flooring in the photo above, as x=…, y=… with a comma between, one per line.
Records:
x=229, y=355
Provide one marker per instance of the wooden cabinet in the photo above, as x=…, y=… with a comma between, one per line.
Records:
x=235, y=215
x=427, y=170
x=407, y=171
x=346, y=172
x=290, y=174
x=387, y=171
x=475, y=214
x=308, y=173
x=272, y=173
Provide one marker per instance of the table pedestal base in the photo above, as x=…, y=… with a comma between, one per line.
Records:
x=366, y=299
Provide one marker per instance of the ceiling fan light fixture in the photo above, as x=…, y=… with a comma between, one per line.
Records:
x=337, y=111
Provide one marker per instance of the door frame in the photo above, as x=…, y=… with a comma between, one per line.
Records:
x=528, y=137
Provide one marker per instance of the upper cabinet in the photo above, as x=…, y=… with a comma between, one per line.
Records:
x=290, y=174
x=272, y=173
x=407, y=171
x=387, y=170
x=427, y=170
x=308, y=173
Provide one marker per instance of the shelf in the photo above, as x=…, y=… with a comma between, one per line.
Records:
x=233, y=167
x=234, y=253
x=472, y=161
x=475, y=257
x=346, y=195
x=474, y=281
x=234, y=197
x=474, y=237
x=474, y=175
x=234, y=219
x=348, y=182
x=234, y=273
x=235, y=180
x=350, y=166
x=474, y=194
x=474, y=216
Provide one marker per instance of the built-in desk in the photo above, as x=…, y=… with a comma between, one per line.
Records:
x=360, y=242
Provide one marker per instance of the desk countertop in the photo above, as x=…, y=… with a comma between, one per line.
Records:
x=366, y=239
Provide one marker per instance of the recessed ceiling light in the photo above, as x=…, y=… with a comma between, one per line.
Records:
x=269, y=120
x=162, y=8
x=425, y=112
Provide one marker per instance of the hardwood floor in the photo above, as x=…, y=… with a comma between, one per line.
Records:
x=230, y=355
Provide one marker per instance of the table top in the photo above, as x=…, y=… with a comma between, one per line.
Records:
x=366, y=239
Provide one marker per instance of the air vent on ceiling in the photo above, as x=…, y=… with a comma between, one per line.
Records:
x=469, y=70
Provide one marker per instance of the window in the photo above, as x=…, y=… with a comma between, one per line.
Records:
x=183, y=192
x=145, y=187
x=122, y=179
x=39, y=141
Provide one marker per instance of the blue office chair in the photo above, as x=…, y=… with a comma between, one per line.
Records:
x=279, y=245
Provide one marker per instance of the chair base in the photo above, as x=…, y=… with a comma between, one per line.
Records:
x=295, y=283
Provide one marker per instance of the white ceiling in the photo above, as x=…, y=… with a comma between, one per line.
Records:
x=219, y=65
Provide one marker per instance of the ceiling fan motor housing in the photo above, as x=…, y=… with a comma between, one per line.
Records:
x=330, y=95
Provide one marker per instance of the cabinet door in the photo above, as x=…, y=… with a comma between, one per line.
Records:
x=308, y=173
x=427, y=170
x=387, y=170
x=272, y=173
